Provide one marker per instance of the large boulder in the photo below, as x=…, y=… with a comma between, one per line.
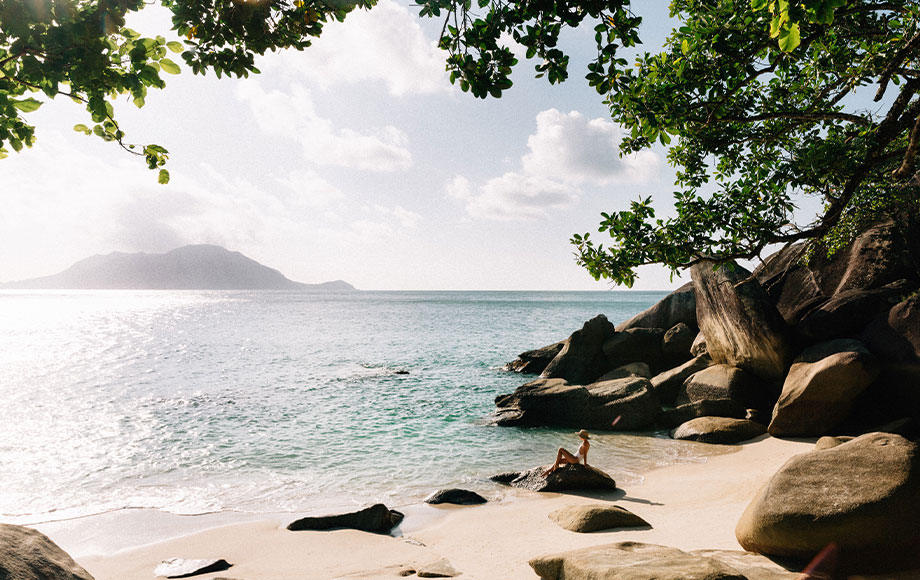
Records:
x=632, y=561
x=895, y=335
x=821, y=387
x=863, y=495
x=534, y=362
x=677, y=342
x=594, y=518
x=377, y=518
x=636, y=369
x=26, y=554
x=554, y=402
x=667, y=384
x=570, y=477
x=636, y=345
x=719, y=430
x=679, y=415
x=727, y=382
x=834, y=296
x=581, y=359
x=742, y=326
x=678, y=306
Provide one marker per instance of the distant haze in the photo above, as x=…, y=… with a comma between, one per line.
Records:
x=197, y=267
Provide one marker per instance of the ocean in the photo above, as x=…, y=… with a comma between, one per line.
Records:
x=196, y=402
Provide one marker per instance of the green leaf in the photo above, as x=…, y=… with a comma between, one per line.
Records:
x=163, y=177
x=789, y=38
x=169, y=67
x=175, y=46
x=81, y=128
x=27, y=105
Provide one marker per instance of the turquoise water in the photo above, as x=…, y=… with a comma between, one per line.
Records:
x=195, y=402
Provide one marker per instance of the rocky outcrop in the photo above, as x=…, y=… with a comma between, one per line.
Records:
x=455, y=496
x=706, y=408
x=182, y=568
x=678, y=306
x=863, y=495
x=378, y=519
x=581, y=359
x=26, y=554
x=742, y=326
x=895, y=335
x=699, y=348
x=821, y=386
x=594, y=518
x=636, y=344
x=566, y=478
x=533, y=362
x=594, y=406
x=667, y=384
x=676, y=343
x=720, y=430
x=726, y=382
x=636, y=369
x=632, y=561
x=828, y=442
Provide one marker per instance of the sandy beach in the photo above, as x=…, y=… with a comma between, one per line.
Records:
x=689, y=506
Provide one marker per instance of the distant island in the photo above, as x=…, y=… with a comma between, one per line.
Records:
x=196, y=267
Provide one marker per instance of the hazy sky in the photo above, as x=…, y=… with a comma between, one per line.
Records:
x=355, y=159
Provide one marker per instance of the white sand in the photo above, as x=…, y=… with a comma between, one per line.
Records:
x=690, y=506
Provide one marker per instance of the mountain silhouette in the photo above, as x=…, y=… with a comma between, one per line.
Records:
x=197, y=267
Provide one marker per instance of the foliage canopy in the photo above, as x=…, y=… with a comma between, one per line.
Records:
x=759, y=102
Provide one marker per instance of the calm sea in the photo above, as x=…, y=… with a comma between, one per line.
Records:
x=194, y=402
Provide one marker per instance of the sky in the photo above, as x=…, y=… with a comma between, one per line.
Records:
x=355, y=159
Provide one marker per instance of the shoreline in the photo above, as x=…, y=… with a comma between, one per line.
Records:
x=690, y=506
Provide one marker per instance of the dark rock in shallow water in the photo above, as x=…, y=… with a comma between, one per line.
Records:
x=632, y=561
x=182, y=568
x=533, y=362
x=455, y=496
x=706, y=408
x=595, y=406
x=594, y=518
x=566, y=478
x=742, y=326
x=26, y=554
x=678, y=306
x=581, y=359
x=377, y=518
x=718, y=430
x=863, y=495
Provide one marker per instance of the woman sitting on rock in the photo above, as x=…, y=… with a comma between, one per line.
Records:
x=564, y=457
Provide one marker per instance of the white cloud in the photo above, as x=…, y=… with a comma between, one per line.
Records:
x=293, y=115
x=384, y=44
x=567, y=153
x=309, y=189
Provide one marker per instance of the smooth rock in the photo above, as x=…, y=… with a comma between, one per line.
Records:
x=846, y=313
x=678, y=306
x=26, y=554
x=594, y=518
x=631, y=561
x=821, y=386
x=182, y=568
x=582, y=359
x=534, y=361
x=895, y=335
x=706, y=408
x=742, y=326
x=566, y=478
x=699, y=348
x=437, y=569
x=668, y=384
x=555, y=402
x=377, y=518
x=863, y=495
x=753, y=566
x=828, y=442
x=720, y=430
x=636, y=345
x=676, y=342
x=636, y=369
x=455, y=496
x=726, y=382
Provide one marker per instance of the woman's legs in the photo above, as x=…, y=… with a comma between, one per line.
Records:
x=562, y=456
